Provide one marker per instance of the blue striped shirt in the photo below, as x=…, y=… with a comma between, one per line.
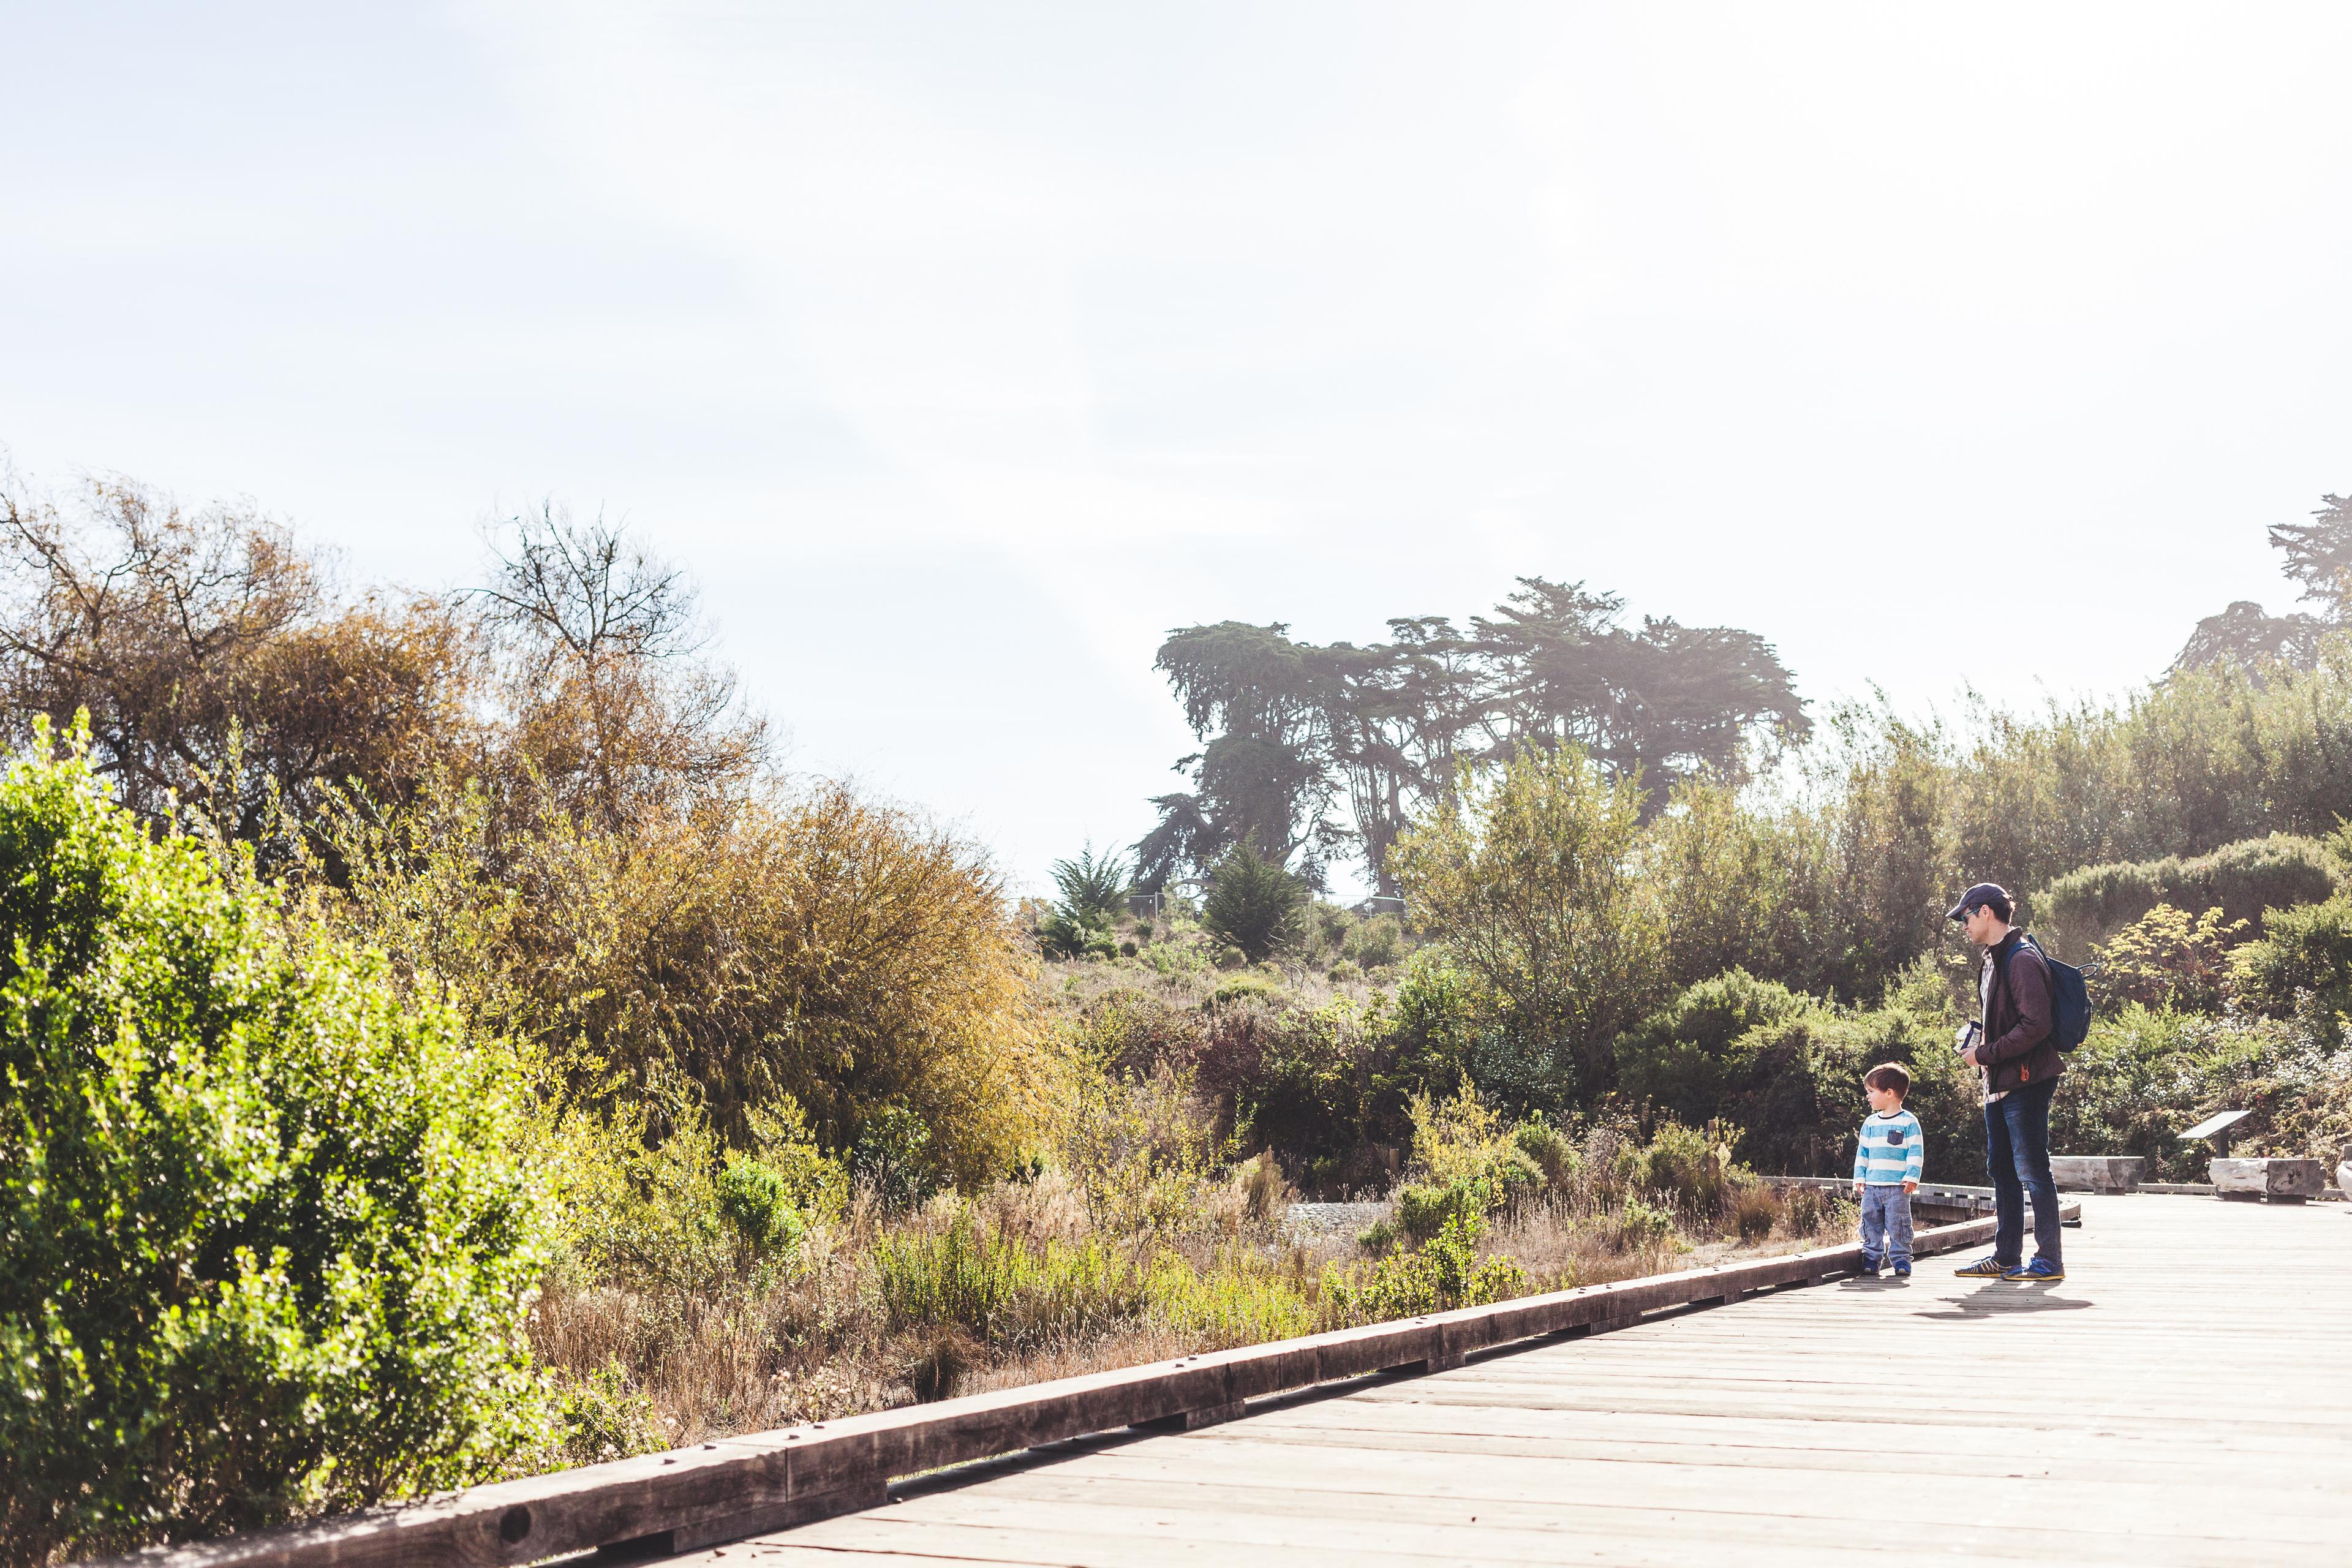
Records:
x=1887, y=1153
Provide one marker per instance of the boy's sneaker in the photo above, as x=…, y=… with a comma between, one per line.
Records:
x=1903, y=1271
x=2040, y=1271
x=1869, y=1267
x=1985, y=1268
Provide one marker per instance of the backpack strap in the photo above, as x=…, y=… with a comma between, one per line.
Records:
x=2000, y=975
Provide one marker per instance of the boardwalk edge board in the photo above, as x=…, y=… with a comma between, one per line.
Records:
x=718, y=1491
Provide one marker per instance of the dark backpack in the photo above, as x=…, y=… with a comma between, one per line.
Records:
x=2070, y=998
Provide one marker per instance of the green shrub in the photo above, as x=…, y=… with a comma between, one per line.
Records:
x=2088, y=905
x=1445, y=1274
x=2130, y=1087
x=1137, y=1151
x=1792, y=1079
x=2167, y=959
x=1690, y=1055
x=1379, y=941
x=1641, y=1227
x=1323, y=1086
x=1456, y=1139
x=1444, y=1013
x=757, y=1203
x=262, y=1252
x=1093, y=888
x=2241, y=879
x=814, y=1184
x=1507, y=1178
x=2143, y=1075
x=1422, y=1210
x=1243, y=988
x=673, y=1211
x=895, y=1156
x=1688, y=1165
x=1326, y=1086
x=1512, y=1178
x=1551, y=1152
x=2300, y=949
x=1253, y=904
x=1066, y=935
x=1469, y=1156
x=1527, y=876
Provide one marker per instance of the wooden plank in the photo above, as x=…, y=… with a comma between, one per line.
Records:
x=1942, y=1454
x=1414, y=1490
x=1156, y=1526
x=1069, y=1545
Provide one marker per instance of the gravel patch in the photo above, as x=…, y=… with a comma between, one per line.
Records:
x=1327, y=1222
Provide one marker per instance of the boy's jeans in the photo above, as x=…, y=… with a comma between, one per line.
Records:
x=2017, y=1150
x=1887, y=1226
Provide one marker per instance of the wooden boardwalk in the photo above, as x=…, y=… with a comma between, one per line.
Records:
x=2186, y=1397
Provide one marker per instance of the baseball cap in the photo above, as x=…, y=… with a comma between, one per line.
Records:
x=1983, y=893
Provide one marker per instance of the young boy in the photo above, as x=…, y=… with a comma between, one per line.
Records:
x=1887, y=1160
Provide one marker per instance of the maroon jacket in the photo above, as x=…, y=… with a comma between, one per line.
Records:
x=2017, y=1049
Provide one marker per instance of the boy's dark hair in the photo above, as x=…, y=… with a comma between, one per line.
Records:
x=1890, y=1075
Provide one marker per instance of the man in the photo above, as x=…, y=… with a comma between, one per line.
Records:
x=2020, y=1068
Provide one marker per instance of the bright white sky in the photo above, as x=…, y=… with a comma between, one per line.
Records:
x=961, y=351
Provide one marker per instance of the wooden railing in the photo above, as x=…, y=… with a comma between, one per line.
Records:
x=724, y=1490
x=1935, y=1203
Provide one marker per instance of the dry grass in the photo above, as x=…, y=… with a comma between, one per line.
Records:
x=1183, y=980
x=1580, y=1237
x=748, y=1349
x=755, y=1348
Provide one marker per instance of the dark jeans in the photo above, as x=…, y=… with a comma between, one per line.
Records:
x=2017, y=1152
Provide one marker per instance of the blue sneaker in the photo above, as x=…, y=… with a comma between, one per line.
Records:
x=2040, y=1271
x=1985, y=1268
x=1869, y=1266
x=1903, y=1271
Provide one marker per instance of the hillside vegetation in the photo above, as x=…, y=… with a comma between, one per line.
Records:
x=443, y=1042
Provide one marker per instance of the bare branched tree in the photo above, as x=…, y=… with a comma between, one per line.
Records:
x=608, y=692
x=218, y=662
